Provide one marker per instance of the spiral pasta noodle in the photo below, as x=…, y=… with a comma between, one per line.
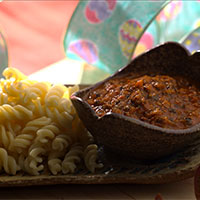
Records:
x=13, y=73
x=3, y=98
x=72, y=158
x=36, y=90
x=54, y=165
x=11, y=88
x=54, y=95
x=33, y=125
x=33, y=163
x=6, y=137
x=40, y=129
x=29, y=165
x=47, y=133
x=61, y=142
x=55, y=161
x=8, y=163
x=90, y=158
x=61, y=118
x=8, y=112
x=29, y=132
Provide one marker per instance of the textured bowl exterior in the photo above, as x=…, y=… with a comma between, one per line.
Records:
x=132, y=137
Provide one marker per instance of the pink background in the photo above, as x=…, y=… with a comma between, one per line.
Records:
x=34, y=31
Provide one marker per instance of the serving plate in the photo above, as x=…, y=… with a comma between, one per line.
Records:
x=177, y=167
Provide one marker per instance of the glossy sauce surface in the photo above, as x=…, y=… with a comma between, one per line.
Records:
x=168, y=102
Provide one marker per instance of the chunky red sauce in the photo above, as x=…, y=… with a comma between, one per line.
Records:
x=169, y=102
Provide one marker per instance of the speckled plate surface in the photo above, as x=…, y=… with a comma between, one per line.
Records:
x=174, y=168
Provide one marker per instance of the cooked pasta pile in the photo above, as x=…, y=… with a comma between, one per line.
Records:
x=40, y=129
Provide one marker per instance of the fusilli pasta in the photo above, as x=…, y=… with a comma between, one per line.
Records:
x=55, y=161
x=39, y=128
x=72, y=158
x=90, y=158
x=8, y=163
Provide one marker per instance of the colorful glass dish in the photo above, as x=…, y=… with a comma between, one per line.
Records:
x=107, y=34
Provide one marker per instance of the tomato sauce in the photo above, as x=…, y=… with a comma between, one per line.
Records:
x=161, y=100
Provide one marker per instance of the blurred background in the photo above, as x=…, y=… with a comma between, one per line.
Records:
x=34, y=32
x=64, y=41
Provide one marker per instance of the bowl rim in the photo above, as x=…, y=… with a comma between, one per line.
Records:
x=79, y=97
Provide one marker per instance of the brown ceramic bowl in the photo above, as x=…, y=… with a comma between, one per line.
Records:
x=132, y=137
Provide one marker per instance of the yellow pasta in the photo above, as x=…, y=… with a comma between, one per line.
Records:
x=12, y=88
x=3, y=98
x=72, y=158
x=17, y=112
x=34, y=161
x=54, y=95
x=90, y=158
x=22, y=141
x=14, y=74
x=6, y=137
x=32, y=126
x=38, y=89
x=29, y=165
x=55, y=161
x=36, y=153
x=61, y=142
x=39, y=127
x=47, y=133
x=54, y=165
x=8, y=163
x=63, y=119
